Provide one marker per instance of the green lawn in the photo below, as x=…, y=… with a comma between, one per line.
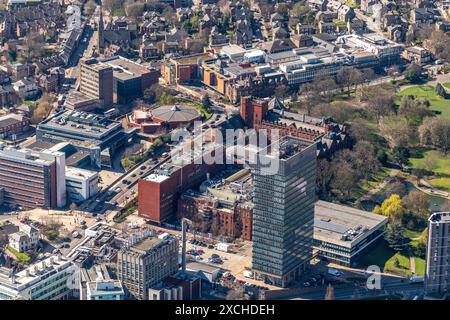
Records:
x=19, y=255
x=440, y=183
x=447, y=85
x=207, y=114
x=420, y=266
x=403, y=267
x=440, y=165
x=440, y=161
x=384, y=257
x=438, y=104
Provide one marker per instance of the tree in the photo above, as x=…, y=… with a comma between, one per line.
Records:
x=414, y=110
x=393, y=208
x=327, y=88
x=394, y=237
x=206, y=102
x=281, y=91
x=417, y=203
x=413, y=73
x=309, y=94
x=345, y=181
x=401, y=154
x=330, y=292
x=89, y=7
x=438, y=42
x=134, y=9
x=112, y=5
x=43, y=108
x=435, y=132
x=393, y=72
x=73, y=207
x=234, y=295
x=397, y=187
x=348, y=77
x=397, y=132
x=324, y=176
x=381, y=103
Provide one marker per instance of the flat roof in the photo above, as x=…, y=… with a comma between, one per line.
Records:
x=89, y=125
x=343, y=224
x=77, y=173
x=198, y=266
x=125, y=69
x=147, y=244
x=40, y=270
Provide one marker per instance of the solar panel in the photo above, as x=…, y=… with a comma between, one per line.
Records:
x=330, y=226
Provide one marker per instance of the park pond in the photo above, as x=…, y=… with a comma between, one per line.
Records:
x=435, y=202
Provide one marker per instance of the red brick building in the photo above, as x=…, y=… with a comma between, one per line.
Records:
x=158, y=193
x=270, y=115
x=235, y=220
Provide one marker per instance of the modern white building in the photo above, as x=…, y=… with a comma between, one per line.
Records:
x=342, y=234
x=50, y=279
x=80, y=184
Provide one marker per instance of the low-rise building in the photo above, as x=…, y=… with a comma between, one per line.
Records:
x=12, y=123
x=26, y=239
x=342, y=234
x=81, y=184
x=49, y=279
x=417, y=55
x=97, y=284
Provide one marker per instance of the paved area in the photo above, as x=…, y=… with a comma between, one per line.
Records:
x=412, y=265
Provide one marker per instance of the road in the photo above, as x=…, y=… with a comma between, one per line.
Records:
x=350, y=292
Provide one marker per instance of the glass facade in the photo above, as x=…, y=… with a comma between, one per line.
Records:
x=283, y=218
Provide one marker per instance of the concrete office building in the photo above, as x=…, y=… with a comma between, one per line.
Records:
x=87, y=132
x=96, y=81
x=32, y=179
x=80, y=184
x=437, y=272
x=49, y=279
x=130, y=79
x=283, y=215
x=146, y=263
x=342, y=234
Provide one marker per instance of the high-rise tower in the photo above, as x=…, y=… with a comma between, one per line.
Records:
x=283, y=216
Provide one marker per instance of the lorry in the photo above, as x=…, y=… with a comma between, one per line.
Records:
x=222, y=247
x=248, y=274
x=334, y=272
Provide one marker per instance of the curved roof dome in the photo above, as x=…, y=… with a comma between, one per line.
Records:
x=176, y=113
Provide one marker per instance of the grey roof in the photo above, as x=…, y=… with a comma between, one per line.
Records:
x=176, y=113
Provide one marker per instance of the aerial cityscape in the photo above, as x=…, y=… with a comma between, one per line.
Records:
x=231, y=150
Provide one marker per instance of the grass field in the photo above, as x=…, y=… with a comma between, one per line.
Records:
x=440, y=165
x=420, y=266
x=19, y=255
x=384, y=257
x=438, y=104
